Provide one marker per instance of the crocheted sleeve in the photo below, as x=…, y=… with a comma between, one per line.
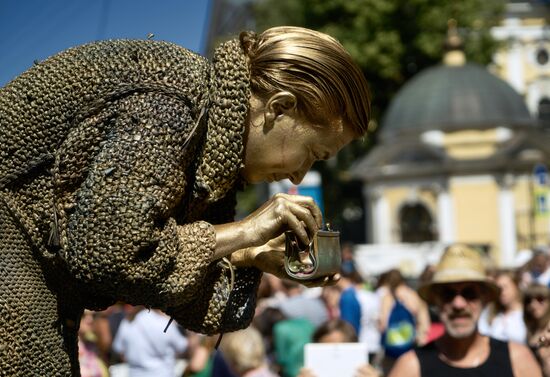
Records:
x=231, y=304
x=118, y=230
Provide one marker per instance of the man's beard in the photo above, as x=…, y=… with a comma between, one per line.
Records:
x=459, y=331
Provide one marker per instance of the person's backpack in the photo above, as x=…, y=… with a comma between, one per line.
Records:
x=400, y=333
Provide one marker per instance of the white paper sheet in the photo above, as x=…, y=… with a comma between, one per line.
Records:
x=335, y=359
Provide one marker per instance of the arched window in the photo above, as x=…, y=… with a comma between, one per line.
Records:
x=544, y=110
x=542, y=56
x=416, y=223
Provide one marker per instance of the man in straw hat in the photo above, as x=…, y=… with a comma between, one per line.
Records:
x=459, y=290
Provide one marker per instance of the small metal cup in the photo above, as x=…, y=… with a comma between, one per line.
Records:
x=322, y=257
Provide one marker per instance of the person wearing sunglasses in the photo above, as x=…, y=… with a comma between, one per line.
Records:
x=459, y=290
x=536, y=314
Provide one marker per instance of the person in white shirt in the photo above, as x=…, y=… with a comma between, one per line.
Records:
x=503, y=319
x=146, y=348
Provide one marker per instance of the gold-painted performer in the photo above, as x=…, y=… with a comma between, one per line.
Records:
x=119, y=166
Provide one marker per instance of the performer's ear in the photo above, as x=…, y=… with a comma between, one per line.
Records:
x=280, y=103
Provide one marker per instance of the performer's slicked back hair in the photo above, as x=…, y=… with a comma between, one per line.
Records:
x=313, y=66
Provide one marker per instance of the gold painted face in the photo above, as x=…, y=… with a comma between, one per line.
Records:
x=287, y=145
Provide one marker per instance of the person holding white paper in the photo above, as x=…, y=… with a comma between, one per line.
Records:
x=340, y=332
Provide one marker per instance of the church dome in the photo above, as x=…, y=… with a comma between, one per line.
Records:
x=451, y=97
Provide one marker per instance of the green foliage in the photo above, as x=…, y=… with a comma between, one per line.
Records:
x=391, y=39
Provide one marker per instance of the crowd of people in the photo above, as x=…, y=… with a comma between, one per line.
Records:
x=123, y=190
x=453, y=313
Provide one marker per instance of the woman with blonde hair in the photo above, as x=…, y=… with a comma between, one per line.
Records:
x=244, y=351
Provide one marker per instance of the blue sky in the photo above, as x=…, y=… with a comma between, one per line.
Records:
x=36, y=29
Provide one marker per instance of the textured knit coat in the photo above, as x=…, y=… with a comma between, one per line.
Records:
x=116, y=158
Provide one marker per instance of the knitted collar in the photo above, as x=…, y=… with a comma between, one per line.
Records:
x=222, y=156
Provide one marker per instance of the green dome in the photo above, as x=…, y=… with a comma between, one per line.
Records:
x=454, y=97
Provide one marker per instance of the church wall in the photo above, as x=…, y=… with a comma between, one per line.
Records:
x=522, y=197
x=520, y=61
x=468, y=144
x=476, y=211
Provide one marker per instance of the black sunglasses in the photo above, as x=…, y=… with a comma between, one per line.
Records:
x=540, y=299
x=469, y=293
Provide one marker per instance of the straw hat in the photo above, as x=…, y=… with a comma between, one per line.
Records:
x=458, y=264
